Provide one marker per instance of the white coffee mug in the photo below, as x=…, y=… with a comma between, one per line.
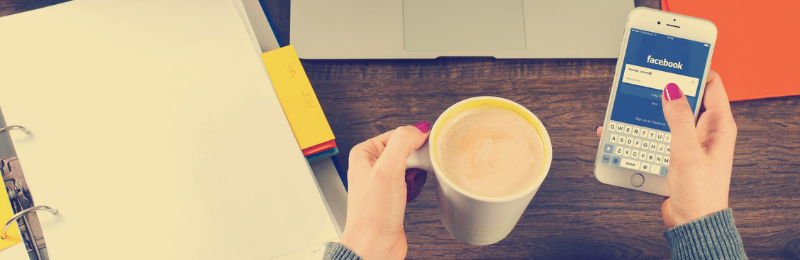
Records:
x=472, y=218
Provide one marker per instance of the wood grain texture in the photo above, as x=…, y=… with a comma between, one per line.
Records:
x=573, y=216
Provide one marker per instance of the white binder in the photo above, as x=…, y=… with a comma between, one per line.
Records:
x=155, y=133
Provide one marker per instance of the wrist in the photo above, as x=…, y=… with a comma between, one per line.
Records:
x=362, y=243
x=338, y=251
x=687, y=211
x=354, y=244
x=700, y=214
x=710, y=237
x=370, y=244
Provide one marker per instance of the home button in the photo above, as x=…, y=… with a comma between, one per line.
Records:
x=637, y=180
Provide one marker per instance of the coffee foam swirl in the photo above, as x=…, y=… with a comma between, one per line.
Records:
x=490, y=151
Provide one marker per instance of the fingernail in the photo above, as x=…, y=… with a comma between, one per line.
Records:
x=672, y=92
x=423, y=126
x=597, y=126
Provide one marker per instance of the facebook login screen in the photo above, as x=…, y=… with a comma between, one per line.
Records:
x=640, y=137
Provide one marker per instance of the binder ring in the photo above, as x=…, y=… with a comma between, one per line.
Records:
x=22, y=214
x=14, y=127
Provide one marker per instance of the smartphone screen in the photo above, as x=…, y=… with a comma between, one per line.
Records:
x=639, y=137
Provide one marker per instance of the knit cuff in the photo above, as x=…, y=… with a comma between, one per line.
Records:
x=710, y=237
x=336, y=251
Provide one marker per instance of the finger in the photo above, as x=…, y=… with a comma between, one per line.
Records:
x=717, y=118
x=399, y=146
x=367, y=152
x=415, y=179
x=681, y=124
x=363, y=156
x=599, y=130
x=715, y=97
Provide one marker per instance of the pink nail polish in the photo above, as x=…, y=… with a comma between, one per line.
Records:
x=672, y=92
x=423, y=126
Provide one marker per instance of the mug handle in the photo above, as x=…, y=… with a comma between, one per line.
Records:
x=420, y=159
x=418, y=165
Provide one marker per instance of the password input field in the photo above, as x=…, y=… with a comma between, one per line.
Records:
x=656, y=79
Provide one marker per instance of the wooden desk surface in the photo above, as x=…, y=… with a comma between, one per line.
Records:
x=573, y=216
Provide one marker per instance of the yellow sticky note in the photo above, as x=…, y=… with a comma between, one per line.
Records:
x=297, y=98
x=13, y=231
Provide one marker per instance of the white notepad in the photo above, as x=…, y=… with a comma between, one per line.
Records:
x=156, y=134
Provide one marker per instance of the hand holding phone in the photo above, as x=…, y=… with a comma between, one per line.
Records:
x=659, y=49
x=703, y=155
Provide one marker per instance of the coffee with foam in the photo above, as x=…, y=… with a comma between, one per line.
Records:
x=490, y=151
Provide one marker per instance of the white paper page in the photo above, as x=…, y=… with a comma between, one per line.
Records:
x=156, y=134
x=15, y=252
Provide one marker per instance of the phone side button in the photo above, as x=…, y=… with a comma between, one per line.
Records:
x=637, y=180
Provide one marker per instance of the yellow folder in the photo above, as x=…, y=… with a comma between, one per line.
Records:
x=13, y=231
x=297, y=98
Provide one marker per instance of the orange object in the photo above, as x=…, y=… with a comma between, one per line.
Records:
x=756, y=53
x=319, y=148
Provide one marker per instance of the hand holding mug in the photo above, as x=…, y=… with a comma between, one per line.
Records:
x=387, y=171
x=376, y=201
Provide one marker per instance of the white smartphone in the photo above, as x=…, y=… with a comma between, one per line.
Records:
x=658, y=48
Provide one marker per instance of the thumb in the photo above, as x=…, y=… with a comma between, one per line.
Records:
x=681, y=122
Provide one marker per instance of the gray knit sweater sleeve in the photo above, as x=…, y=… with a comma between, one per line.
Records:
x=336, y=251
x=711, y=237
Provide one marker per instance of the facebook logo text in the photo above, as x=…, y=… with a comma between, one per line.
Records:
x=665, y=62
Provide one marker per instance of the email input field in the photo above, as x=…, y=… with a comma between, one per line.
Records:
x=656, y=79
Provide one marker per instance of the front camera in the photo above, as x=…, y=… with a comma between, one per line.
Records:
x=659, y=22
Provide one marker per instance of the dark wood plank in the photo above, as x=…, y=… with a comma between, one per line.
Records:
x=573, y=216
